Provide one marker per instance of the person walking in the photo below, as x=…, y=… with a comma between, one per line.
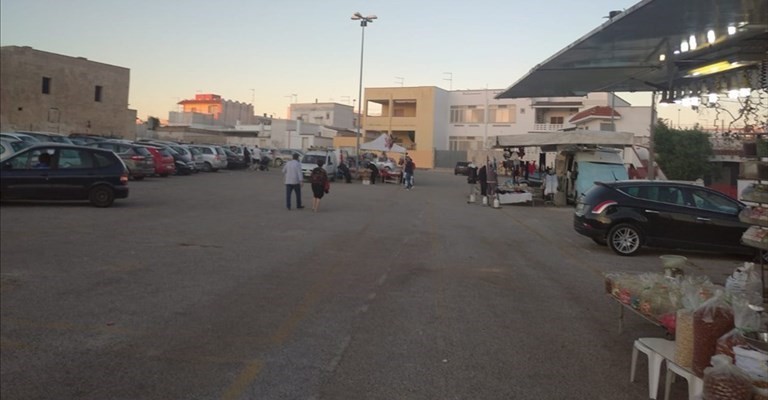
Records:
x=293, y=181
x=409, y=168
x=320, y=184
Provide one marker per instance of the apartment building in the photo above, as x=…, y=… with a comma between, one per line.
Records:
x=424, y=119
x=327, y=114
x=42, y=91
x=214, y=110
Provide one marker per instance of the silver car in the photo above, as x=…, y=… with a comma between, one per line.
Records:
x=214, y=157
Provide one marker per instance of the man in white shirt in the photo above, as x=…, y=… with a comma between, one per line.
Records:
x=293, y=181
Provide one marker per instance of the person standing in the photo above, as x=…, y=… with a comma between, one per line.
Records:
x=293, y=181
x=320, y=184
x=408, y=170
x=246, y=156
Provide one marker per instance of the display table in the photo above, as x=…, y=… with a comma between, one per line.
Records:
x=515, y=197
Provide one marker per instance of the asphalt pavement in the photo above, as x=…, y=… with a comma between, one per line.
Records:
x=207, y=287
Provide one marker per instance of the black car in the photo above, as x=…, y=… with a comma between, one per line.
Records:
x=234, y=160
x=461, y=168
x=64, y=172
x=630, y=214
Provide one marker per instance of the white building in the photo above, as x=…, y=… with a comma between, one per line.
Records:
x=327, y=114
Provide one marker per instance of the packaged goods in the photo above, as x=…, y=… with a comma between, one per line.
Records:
x=724, y=381
x=754, y=363
x=711, y=320
x=745, y=319
x=684, y=338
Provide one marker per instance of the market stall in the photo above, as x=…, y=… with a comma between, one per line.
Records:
x=703, y=323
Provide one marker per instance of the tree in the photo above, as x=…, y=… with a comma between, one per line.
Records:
x=682, y=154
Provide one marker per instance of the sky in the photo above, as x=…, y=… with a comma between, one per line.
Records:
x=265, y=51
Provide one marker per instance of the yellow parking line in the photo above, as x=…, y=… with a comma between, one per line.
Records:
x=247, y=375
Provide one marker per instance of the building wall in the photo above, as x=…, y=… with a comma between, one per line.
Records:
x=418, y=107
x=70, y=106
x=329, y=114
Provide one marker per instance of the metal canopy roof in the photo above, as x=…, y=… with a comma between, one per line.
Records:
x=623, y=54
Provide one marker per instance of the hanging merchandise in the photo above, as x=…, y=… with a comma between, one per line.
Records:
x=711, y=320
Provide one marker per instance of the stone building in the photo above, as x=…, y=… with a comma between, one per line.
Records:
x=42, y=91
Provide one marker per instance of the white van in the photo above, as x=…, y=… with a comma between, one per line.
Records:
x=579, y=169
x=310, y=158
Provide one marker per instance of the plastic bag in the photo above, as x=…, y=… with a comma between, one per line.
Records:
x=692, y=292
x=745, y=320
x=745, y=281
x=725, y=381
x=711, y=320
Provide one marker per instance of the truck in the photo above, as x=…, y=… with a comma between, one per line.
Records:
x=580, y=167
x=330, y=157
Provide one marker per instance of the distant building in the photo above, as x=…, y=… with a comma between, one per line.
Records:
x=41, y=91
x=327, y=114
x=211, y=109
x=427, y=119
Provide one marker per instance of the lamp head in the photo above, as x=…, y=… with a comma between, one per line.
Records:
x=371, y=17
x=357, y=16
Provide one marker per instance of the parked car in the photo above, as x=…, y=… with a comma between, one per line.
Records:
x=64, y=172
x=197, y=156
x=182, y=159
x=9, y=147
x=137, y=158
x=49, y=137
x=234, y=160
x=461, y=168
x=282, y=156
x=20, y=136
x=630, y=214
x=214, y=157
x=164, y=163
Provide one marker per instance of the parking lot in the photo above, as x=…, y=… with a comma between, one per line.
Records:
x=206, y=287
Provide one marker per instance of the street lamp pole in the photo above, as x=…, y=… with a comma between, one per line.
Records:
x=363, y=23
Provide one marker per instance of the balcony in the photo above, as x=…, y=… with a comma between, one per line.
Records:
x=547, y=127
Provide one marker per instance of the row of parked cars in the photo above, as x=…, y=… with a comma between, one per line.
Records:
x=49, y=166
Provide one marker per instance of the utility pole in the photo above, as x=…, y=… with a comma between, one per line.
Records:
x=449, y=79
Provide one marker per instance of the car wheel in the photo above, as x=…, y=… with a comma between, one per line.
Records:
x=207, y=167
x=625, y=239
x=600, y=241
x=101, y=196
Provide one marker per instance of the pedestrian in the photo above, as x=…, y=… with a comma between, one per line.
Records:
x=408, y=170
x=344, y=170
x=482, y=177
x=293, y=181
x=374, y=172
x=320, y=184
x=246, y=156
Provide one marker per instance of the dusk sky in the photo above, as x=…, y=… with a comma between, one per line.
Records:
x=310, y=48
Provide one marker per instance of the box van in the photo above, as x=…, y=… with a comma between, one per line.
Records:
x=330, y=157
x=579, y=169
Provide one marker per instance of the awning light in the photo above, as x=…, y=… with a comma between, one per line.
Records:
x=733, y=94
x=684, y=46
x=714, y=68
x=662, y=57
x=692, y=42
x=731, y=30
x=712, y=98
x=711, y=36
x=745, y=92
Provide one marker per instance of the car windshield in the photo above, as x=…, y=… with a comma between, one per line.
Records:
x=180, y=150
x=195, y=151
x=312, y=159
x=143, y=151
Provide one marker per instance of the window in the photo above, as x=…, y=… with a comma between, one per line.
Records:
x=556, y=120
x=712, y=202
x=46, y=85
x=501, y=113
x=97, y=94
x=102, y=160
x=467, y=114
x=69, y=159
x=33, y=159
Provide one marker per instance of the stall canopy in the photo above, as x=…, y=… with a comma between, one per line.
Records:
x=659, y=45
x=591, y=138
x=382, y=143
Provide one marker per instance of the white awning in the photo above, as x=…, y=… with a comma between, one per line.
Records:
x=578, y=137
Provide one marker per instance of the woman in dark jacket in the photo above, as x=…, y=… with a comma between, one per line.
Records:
x=482, y=177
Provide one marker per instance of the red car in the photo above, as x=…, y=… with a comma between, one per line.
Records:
x=164, y=162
